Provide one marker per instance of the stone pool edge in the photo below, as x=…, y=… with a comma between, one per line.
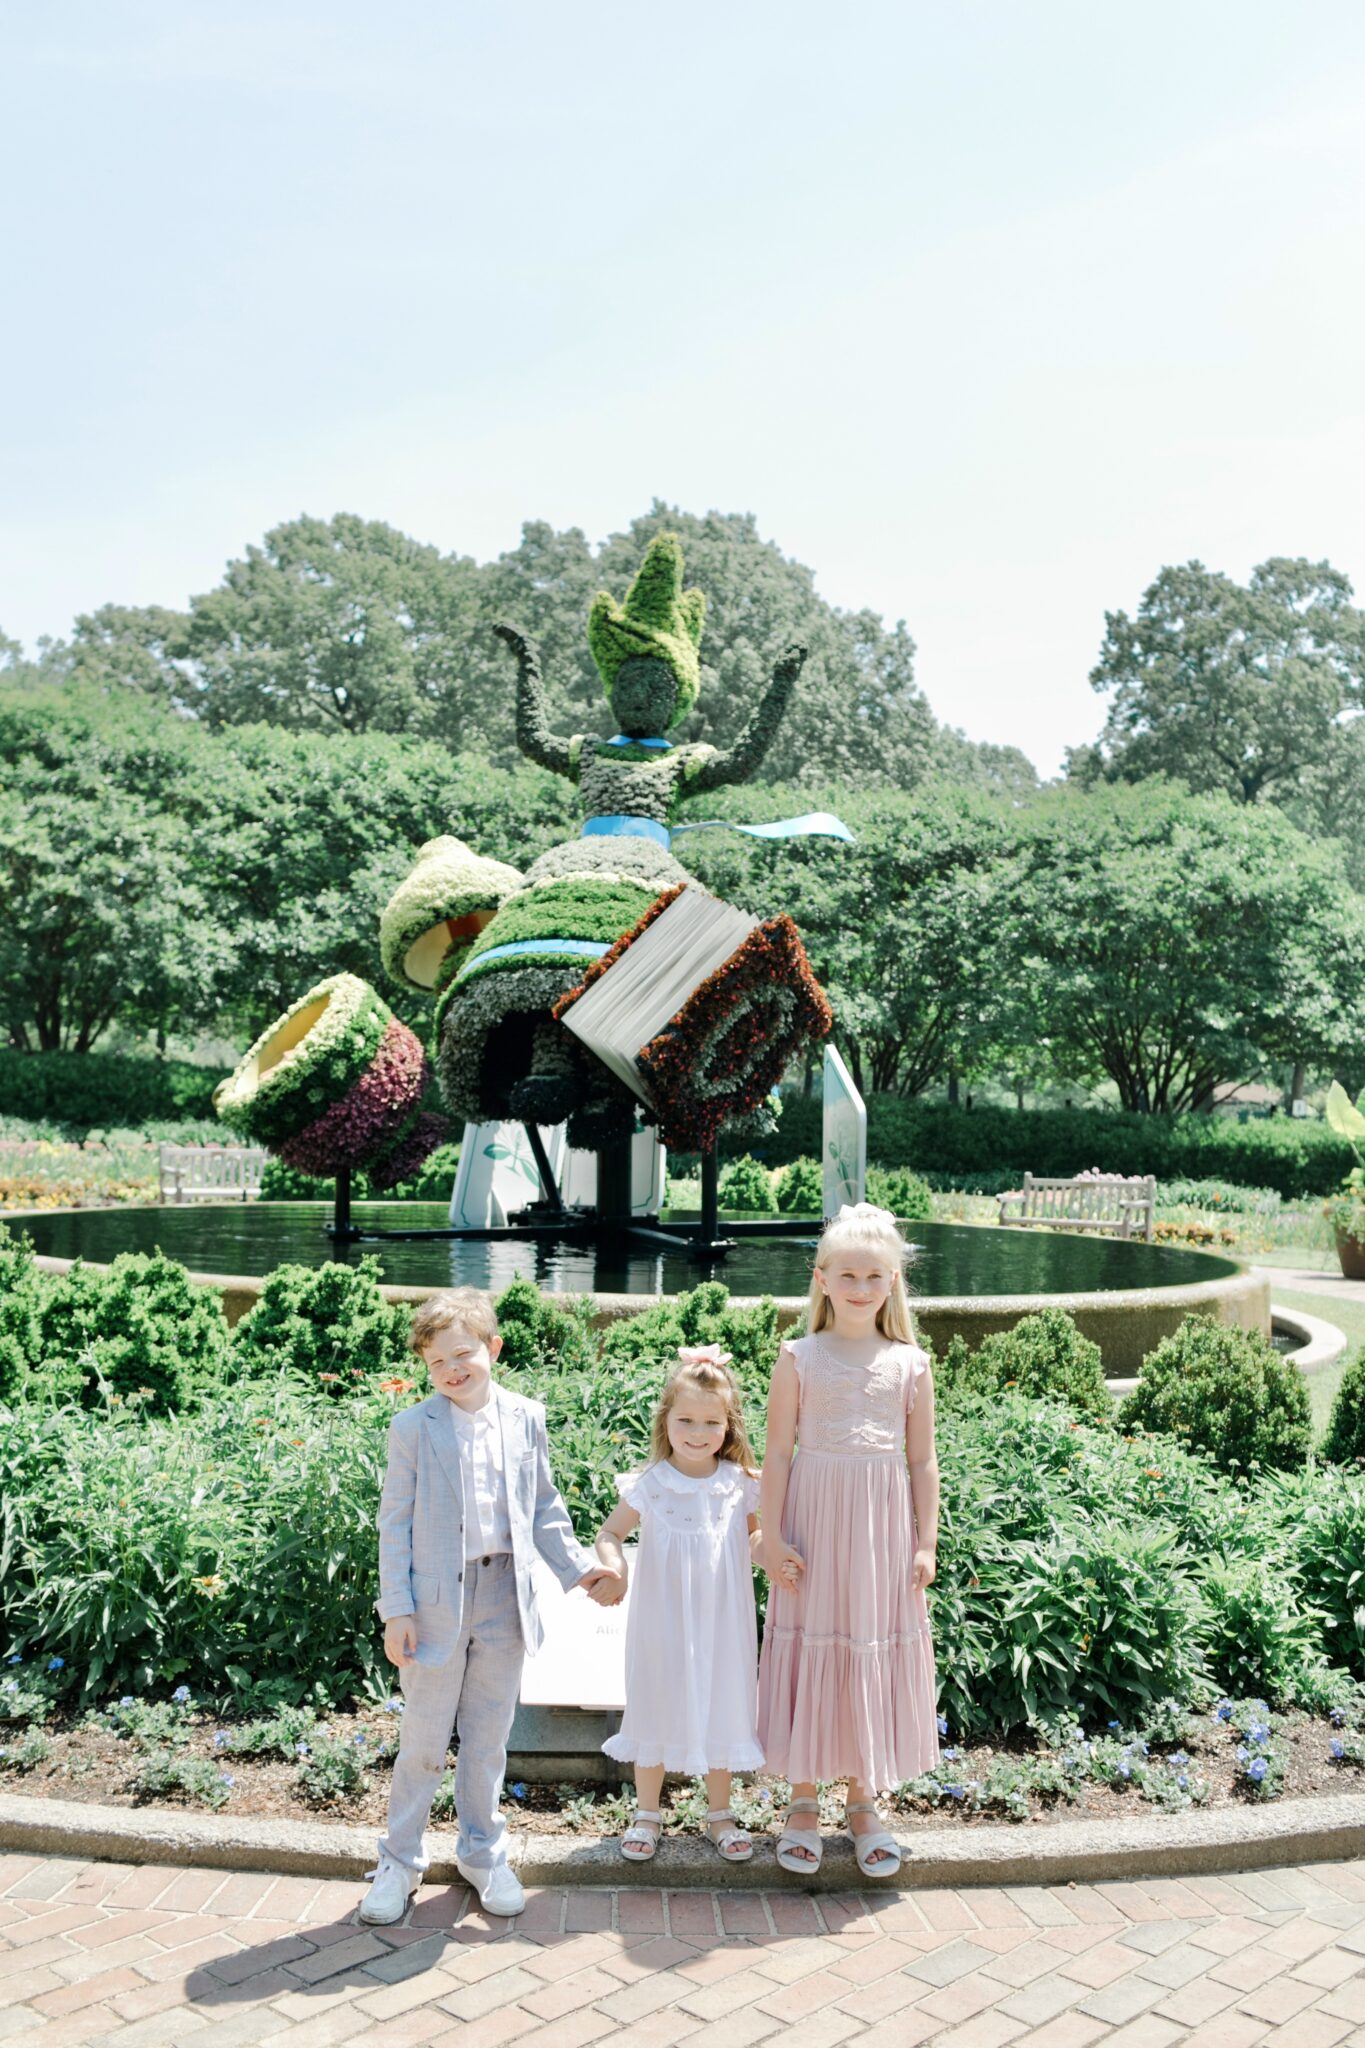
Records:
x=1295, y=1831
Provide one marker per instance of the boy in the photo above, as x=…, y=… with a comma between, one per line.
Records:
x=467, y=1497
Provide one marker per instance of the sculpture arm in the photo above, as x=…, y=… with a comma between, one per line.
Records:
x=534, y=737
x=710, y=769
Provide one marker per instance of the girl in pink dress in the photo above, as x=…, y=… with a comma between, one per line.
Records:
x=846, y=1684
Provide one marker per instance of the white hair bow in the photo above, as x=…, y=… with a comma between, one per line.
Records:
x=703, y=1354
x=864, y=1212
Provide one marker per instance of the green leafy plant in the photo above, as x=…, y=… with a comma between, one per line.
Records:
x=331, y=1771
x=328, y=1324
x=1260, y=1633
x=161, y=1775
x=800, y=1188
x=21, y=1299
x=745, y=1184
x=1225, y=1392
x=1344, y=1442
x=141, y=1329
x=902, y=1192
x=539, y=1332
x=25, y=1755
x=1044, y=1356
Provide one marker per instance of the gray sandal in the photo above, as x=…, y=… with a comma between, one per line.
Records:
x=733, y=1844
x=865, y=1845
x=800, y=1838
x=641, y=1838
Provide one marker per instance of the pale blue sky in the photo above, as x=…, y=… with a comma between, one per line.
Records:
x=984, y=308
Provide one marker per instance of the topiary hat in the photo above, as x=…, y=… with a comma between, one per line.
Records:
x=659, y=620
x=432, y=919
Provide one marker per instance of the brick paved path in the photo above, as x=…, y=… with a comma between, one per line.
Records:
x=105, y=1952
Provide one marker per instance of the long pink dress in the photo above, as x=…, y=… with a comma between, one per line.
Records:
x=846, y=1684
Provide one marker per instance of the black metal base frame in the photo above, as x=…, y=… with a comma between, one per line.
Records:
x=550, y=1217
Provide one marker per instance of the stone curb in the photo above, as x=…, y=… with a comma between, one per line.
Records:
x=1082, y=1851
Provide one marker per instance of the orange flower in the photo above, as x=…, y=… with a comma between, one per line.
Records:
x=396, y=1386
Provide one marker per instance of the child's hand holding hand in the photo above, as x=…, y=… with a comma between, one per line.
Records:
x=783, y=1565
x=605, y=1585
x=400, y=1639
x=925, y=1570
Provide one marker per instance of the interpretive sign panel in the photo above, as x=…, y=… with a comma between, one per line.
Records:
x=582, y=1661
x=844, y=1151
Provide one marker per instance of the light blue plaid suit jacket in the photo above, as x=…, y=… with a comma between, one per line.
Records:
x=421, y=1520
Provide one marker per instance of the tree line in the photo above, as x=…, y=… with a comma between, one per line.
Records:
x=203, y=809
x=174, y=878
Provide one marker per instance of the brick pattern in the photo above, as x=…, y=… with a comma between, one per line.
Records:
x=105, y=1953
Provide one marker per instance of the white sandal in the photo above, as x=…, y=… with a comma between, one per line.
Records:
x=733, y=1844
x=641, y=1838
x=865, y=1845
x=800, y=1838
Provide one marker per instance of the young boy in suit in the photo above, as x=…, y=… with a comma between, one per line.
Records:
x=467, y=1499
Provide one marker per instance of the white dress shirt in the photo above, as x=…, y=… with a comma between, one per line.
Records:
x=487, y=1523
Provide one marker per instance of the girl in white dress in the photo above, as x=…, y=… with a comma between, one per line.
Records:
x=692, y=1635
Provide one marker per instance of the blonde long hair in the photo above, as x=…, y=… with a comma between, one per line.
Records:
x=707, y=1368
x=861, y=1226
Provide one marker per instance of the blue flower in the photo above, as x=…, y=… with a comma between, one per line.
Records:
x=1256, y=1734
x=227, y=1777
x=518, y=1790
x=15, y=1659
x=1338, y=1751
x=1125, y=1770
x=359, y=1741
x=1178, y=1757
x=393, y=1706
x=56, y=1663
x=1242, y=1752
x=221, y=1739
x=1183, y=1782
x=302, y=1749
x=1257, y=1769
x=942, y=1719
x=181, y=1695
x=1223, y=1711
x=1114, y=1725
x=127, y=1700
x=951, y=1756
x=956, y=1791
x=1337, y=1717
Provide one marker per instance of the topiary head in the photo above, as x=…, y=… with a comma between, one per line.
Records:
x=646, y=648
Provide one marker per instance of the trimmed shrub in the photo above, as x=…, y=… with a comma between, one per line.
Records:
x=431, y=1183
x=329, y=1324
x=1224, y=1392
x=1044, y=1357
x=744, y=1184
x=902, y=1192
x=1344, y=1442
x=540, y=1333
x=142, y=1328
x=1324, y=1530
x=800, y=1188
x=83, y=1091
x=1283, y=1153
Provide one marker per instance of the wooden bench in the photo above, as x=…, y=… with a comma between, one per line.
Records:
x=210, y=1173
x=1091, y=1201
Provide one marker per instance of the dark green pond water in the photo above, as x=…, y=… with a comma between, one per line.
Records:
x=950, y=1258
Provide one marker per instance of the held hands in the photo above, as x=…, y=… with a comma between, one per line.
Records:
x=925, y=1570
x=400, y=1639
x=604, y=1585
x=783, y=1565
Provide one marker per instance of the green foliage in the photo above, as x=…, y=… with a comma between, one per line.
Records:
x=800, y=1188
x=540, y=1333
x=1261, y=1635
x=161, y=1775
x=26, y=1755
x=1325, y=1544
x=1044, y=1357
x=902, y=1192
x=1232, y=688
x=745, y=1184
x=659, y=621
x=331, y=1770
x=1225, y=1392
x=970, y=1147
x=1221, y=1195
x=1344, y=1442
x=21, y=1297
x=431, y=1183
x=77, y=1090
x=580, y=907
x=140, y=1330
x=329, y=1324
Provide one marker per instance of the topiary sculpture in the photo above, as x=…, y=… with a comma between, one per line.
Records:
x=499, y=1051
x=336, y=1083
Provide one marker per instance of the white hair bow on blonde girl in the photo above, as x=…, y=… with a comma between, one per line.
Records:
x=703, y=1354
x=864, y=1212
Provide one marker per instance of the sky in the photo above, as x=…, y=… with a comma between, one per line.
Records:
x=985, y=309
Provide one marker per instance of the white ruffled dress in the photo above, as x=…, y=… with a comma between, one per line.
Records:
x=692, y=1633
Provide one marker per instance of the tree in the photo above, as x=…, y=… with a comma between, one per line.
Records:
x=340, y=625
x=1244, y=690
x=1173, y=942
x=906, y=929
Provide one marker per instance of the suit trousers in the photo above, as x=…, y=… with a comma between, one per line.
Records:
x=474, y=1693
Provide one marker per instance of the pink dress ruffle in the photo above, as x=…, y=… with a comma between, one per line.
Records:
x=846, y=1685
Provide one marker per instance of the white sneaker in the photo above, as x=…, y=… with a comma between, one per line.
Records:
x=499, y=1889
x=387, y=1899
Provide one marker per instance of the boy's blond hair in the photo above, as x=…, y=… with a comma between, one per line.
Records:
x=469, y=1306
